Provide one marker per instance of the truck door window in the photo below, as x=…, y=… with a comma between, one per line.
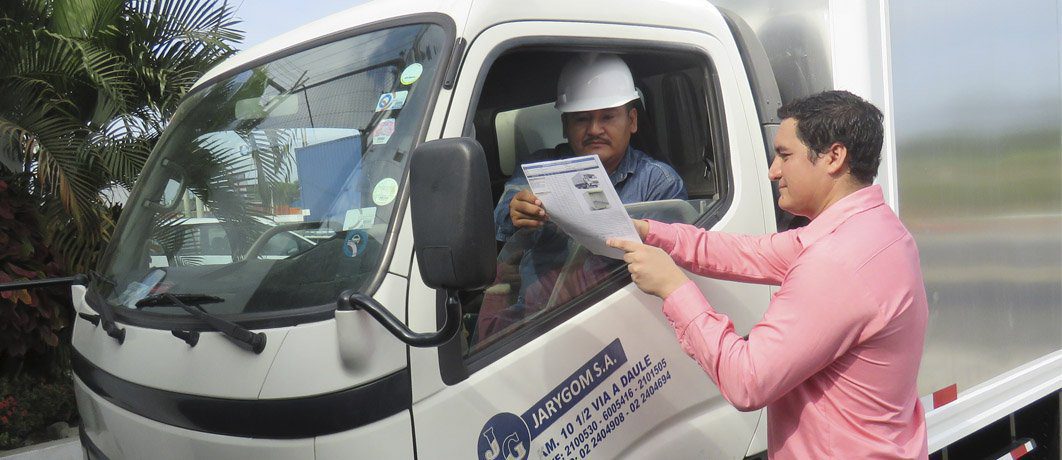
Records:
x=543, y=276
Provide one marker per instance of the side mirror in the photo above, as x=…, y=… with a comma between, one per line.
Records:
x=453, y=232
x=453, y=215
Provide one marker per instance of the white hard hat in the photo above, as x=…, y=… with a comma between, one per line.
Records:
x=594, y=81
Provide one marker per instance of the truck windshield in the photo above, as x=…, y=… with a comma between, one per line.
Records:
x=273, y=188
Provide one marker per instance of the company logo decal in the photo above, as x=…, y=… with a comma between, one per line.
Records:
x=578, y=416
x=506, y=436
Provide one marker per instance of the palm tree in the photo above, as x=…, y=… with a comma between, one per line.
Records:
x=86, y=87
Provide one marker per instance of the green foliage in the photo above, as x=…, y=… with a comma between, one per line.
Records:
x=29, y=319
x=86, y=87
x=28, y=405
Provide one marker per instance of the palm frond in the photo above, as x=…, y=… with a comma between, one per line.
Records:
x=65, y=176
x=83, y=18
x=104, y=70
x=176, y=42
x=28, y=11
x=188, y=19
x=86, y=87
x=75, y=247
x=44, y=55
x=123, y=150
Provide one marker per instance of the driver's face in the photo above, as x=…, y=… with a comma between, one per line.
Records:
x=604, y=132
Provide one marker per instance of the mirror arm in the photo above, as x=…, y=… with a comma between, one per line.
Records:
x=46, y=282
x=109, y=326
x=350, y=300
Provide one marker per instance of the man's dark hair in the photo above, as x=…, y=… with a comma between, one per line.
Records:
x=840, y=116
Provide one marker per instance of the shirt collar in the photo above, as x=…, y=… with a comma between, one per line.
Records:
x=627, y=166
x=861, y=200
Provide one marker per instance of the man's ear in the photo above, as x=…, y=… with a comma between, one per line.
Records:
x=836, y=159
x=632, y=115
x=564, y=125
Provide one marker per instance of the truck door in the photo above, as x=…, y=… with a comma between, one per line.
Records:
x=591, y=368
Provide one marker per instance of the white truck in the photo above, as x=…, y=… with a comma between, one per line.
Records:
x=314, y=356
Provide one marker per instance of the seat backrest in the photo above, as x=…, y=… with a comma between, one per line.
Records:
x=218, y=245
x=688, y=140
x=524, y=131
x=646, y=139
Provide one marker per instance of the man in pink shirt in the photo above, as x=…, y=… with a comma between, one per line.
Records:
x=836, y=355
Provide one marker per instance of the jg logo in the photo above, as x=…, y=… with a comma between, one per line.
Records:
x=504, y=437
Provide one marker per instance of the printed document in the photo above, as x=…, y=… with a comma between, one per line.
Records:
x=579, y=197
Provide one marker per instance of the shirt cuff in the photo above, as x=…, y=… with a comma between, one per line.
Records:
x=684, y=305
x=661, y=235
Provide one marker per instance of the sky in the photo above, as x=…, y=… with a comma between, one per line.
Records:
x=264, y=19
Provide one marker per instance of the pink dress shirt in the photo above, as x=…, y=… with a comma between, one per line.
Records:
x=836, y=356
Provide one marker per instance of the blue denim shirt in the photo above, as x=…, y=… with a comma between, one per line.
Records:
x=639, y=177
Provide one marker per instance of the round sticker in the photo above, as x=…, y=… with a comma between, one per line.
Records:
x=385, y=191
x=354, y=243
x=411, y=74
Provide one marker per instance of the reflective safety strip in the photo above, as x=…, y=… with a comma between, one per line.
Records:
x=940, y=397
x=1019, y=451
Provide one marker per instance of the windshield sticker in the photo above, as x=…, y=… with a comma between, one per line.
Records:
x=385, y=191
x=392, y=101
x=354, y=243
x=562, y=425
x=359, y=218
x=400, y=100
x=385, y=102
x=383, y=131
x=411, y=74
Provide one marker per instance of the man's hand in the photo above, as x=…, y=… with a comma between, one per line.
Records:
x=651, y=268
x=525, y=210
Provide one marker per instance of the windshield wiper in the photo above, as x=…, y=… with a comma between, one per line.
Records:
x=160, y=300
x=106, y=312
x=256, y=341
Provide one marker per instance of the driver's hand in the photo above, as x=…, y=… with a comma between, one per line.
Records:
x=525, y=210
